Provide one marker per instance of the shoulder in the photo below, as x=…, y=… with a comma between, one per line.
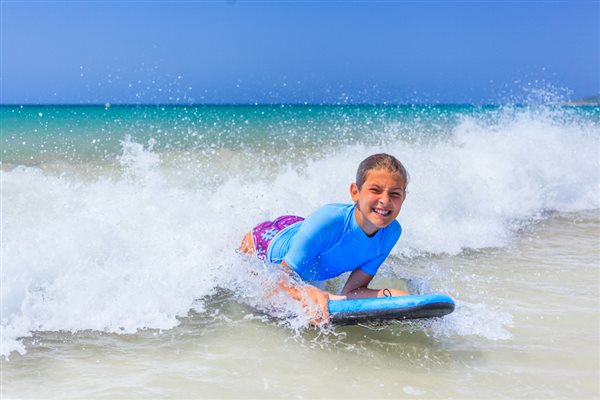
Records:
x=391, y=233
x=330, y=214
x=394, y=228
x=327, y=221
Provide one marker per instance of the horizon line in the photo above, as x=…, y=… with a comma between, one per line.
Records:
x=285, y=104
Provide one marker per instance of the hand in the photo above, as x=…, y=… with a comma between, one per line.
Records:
x=314, y=301
x=316, y=307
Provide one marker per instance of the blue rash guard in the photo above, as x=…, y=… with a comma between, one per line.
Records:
x=329, y=242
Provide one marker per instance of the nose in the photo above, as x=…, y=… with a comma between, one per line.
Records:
x=384, y=198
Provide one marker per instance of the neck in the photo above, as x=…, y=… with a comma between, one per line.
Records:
x=364, y=225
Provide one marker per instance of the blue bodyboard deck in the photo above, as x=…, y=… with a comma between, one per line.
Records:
x=389, y=308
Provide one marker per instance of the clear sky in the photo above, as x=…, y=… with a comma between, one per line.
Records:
x=297, y=51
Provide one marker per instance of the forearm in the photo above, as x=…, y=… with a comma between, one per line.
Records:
x=313, y=300
x=364, y=292
x=357, y=287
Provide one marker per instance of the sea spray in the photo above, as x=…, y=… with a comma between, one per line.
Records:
x=136, y=239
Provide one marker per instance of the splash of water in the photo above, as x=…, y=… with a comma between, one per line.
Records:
x=140, y=248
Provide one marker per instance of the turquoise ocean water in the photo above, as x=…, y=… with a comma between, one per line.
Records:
x=120, y=276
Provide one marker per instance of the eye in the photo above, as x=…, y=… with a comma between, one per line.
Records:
x=374, y=190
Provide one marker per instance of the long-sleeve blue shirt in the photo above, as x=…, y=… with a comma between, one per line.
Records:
x=329, y=242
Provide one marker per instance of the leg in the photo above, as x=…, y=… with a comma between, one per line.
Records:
x=247, y=246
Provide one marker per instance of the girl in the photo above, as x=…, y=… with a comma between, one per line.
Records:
x=338, y=238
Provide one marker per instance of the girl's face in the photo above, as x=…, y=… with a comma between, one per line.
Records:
x=379, y=200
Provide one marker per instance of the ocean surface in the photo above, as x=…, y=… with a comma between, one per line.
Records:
x=120, y=277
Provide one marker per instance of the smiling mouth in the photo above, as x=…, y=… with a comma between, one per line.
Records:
x=381, y=212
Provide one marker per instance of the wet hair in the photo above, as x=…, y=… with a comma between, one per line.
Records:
x=376, y=162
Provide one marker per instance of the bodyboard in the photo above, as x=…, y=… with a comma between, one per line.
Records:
x=347, y=312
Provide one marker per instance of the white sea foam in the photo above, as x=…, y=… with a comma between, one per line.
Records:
x=136, y=251
x=474, y=319
x=475, y=189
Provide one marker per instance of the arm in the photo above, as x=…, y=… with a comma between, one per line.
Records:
x=308, y=243
x=356, y=287
x=314, y=301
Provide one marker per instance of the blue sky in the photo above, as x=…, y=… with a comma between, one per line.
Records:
x=297, y=51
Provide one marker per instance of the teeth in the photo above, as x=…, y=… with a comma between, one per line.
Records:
x=381, y=212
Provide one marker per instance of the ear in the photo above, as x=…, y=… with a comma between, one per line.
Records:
x=354, y=191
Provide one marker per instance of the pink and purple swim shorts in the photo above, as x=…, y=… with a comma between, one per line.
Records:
x=263, y=233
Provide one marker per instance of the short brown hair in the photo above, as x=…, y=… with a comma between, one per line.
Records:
x=379, y=161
